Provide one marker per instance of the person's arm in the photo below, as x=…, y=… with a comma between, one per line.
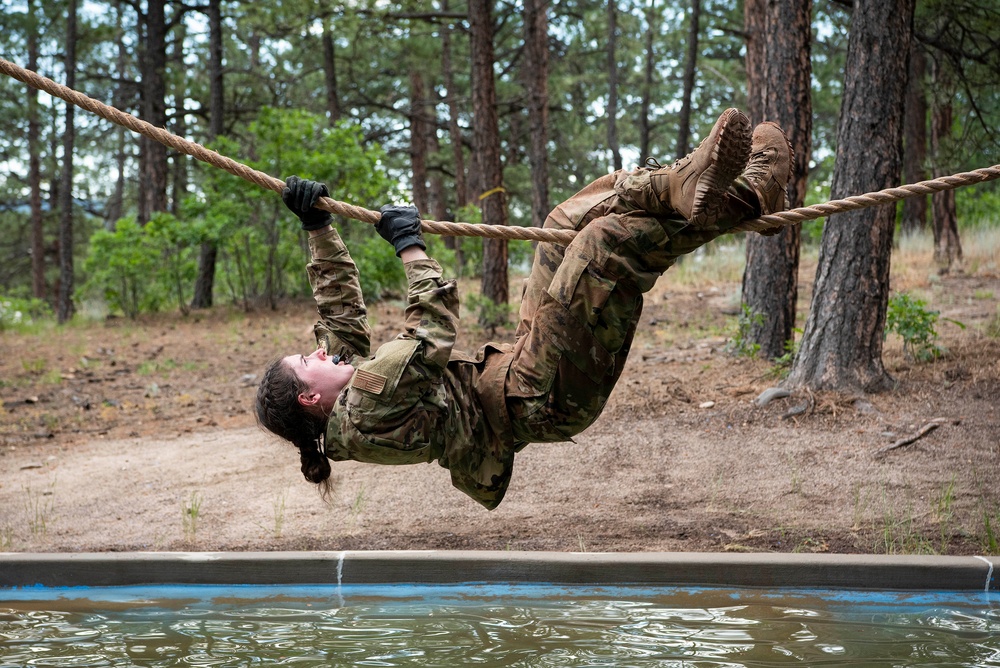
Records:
x=432, y=302
x=413, y=253
x=343, y=326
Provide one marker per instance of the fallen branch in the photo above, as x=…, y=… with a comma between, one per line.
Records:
x=926, y=429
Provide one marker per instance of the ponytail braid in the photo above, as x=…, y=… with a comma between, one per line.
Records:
x=278, y=410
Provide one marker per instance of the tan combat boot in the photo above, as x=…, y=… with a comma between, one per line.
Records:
x=695, y=186
x=767, y=175
x=770, y=167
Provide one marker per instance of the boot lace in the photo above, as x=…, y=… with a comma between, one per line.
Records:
x=759, y=165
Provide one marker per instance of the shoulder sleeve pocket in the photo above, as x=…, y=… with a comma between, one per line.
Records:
x=371, y=393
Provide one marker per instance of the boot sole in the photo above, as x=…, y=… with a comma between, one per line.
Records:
x=729, y=157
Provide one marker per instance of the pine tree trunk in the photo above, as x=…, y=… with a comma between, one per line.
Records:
x=153, y=183
x=418, y=139
x=216, y=86
x=455, y=136
x=778, y=79
x=755, y=27
x=536, y=83
x=64, y=303
x=947, y=245
x=915, y=142
x=690, y=68
x=204, y=285
x=437, y=204
x=330, y=74
x=35, y=167
x=454, y=130
x=116, y=203
x=842, y=343
x=613, y=146
x=487, y=142
x=648, y=72
x=179, y=161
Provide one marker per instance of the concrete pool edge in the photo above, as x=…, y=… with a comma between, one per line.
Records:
x=829, y=571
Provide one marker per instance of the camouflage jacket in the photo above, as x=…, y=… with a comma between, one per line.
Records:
x=416, y=399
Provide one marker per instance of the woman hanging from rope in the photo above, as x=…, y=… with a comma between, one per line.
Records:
x=418, y=400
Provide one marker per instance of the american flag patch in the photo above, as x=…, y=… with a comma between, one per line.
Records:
x=368, y=381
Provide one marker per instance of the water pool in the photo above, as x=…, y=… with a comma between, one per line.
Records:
x=493, y=625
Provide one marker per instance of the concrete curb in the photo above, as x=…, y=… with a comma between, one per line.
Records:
x=836, y=571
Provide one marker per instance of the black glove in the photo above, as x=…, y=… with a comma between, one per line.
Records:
x=300, y=195
x=400, y=226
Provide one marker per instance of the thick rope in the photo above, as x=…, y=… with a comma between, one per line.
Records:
x=887, y=196
x=467, y=229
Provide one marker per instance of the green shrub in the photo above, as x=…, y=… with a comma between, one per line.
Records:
x=909, y=318
x=15, y=311
x=740, y=344
x=123, y=267
x=262, y=249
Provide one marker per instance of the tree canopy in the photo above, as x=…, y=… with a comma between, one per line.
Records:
x=377, y=99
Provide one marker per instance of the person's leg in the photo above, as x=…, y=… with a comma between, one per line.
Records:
x=593, y=201
x=694, y=187
x=579, y=336
x=581, y=303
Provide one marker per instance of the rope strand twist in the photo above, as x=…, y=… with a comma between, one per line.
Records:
x=562, y=237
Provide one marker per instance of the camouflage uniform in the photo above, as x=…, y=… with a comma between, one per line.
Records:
x=417, y=400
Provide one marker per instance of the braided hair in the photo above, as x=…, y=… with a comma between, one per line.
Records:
x=278, y=410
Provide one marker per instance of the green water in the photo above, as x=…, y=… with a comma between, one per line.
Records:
x=493, y=625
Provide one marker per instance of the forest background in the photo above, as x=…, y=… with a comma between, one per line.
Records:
x=485, y=112
x=380, y=101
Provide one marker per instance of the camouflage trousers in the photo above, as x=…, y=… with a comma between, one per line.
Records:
x=582, y=302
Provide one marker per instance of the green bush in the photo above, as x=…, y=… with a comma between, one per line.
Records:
x=178, y=245
x=978, y=206
x=123, y=266
x=909, y=317
x=262, y=250
x=741, y=345
x=381, y=271
x=15, y=311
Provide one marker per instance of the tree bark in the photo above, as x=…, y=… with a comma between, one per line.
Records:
x=947, y=245
x=153, y=182
x=216, y=85
x=648, y=73
x=536, y=82
x=116, y=203
x=179, y=161
x=690, y=68
x=64, y=303
x=842, y=343
x=204, y=285
x=455, y=135
x=487, y=142
x=330, y=74
x=454, y=129
x=915, y=141
x=418, y=138
x=755, y=26
x=778, y=83
x=35, y=167
x=613, y=145
x=437, y=204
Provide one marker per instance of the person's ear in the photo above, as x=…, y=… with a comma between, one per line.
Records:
x=308, y=399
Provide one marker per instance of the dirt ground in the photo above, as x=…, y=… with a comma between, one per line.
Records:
x=123, y=435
